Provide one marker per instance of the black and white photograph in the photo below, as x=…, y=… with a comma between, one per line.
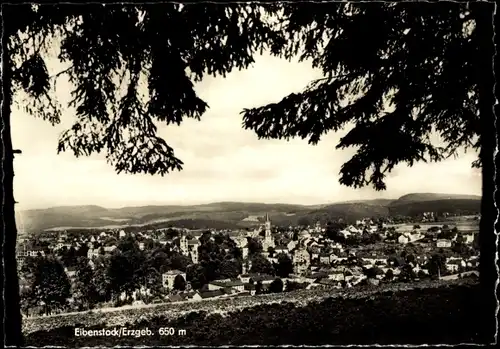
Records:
x=248, y=173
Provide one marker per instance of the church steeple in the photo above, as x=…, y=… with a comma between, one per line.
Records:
x=268, y=238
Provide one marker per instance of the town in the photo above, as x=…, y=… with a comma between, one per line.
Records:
x=70, y=271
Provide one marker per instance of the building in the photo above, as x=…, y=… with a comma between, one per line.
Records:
x=301, y=260
x=268, y=237
x=217, y=284
x=201, y=295
x=109, y=249
x=250, y=288
x=468, y=238
x=453, y=265
x=345, y=233
x=428, y=216
x=336, y=275
x=403, y=239
x=240, y=241
x=183, y=242
x=27, y=250
x=291, y=245
x=353, y=230
x=92, y=253
x=281, y=249
x=168, y=278
x=338, y=257
x=193, y=245
x=190, y=248
x=246, y=266
x=236, y=285
x=71, y=272
x=443, y=243
x=262, y=278
x=244, y=252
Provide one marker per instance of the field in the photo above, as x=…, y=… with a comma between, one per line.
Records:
x=462, y=226
x=427, y=312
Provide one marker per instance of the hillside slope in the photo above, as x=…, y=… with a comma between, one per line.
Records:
x=443, y=314
x=346, y=211
x=455, y=206
x=235, y=214
x=423, y=197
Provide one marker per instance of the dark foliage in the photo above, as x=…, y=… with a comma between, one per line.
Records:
x=437, y=264
x=132, y=44
x=261, y=265
x=276, y=286
x=179, y=283
x=284, y=267
x=254, y=246
x=49, y=285
x=392, y=71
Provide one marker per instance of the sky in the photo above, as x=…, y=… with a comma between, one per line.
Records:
x=222, y=161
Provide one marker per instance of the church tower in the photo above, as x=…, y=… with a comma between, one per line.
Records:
x=268, y=226
x=184, y=245
x=317, y=227
x=268, y=238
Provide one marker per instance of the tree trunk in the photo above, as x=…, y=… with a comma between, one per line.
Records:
x=483, y=13
x=12, y=309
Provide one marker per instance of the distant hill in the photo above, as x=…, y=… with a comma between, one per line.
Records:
x=223, y=214
x=229, y=215
x=346, y=211
x=77, y=216
x=377, y=202
x=418, y=203
x=420, y=197
x=456, y=206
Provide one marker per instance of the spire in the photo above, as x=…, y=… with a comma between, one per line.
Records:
x=267, y=217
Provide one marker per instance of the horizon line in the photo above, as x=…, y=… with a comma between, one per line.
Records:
x=237, y=202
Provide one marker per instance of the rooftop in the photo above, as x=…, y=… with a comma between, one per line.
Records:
x=231, y=283
x=173, y=272
x=328, y=282
x=263, y=277
x=210, y=294
x=175, y=298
